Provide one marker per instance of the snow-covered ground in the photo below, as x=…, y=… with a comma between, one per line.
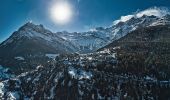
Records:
x=79, y=73
x=5, y=73
x=51, y=56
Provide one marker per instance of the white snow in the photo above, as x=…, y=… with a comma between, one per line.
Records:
x=72, y=72
x=124, y=19
x=150, y=78
x=4, y=74
x=114, y=55
x=36, y=31
x=79, y=74
x=23, y=74
x=38, y=67
x=58, y=76
x=159, y=22
x=80, y=92
x=93, y=30
x=36, y=78
x=105, y=51
x=64, y=38
x=28, y=79
x=115, y=48
x=51, y=56
x=2, y=89
x=13, y=96
x=19, y=58
x=89, y=58
x=158, y=12
x=52, y=93
x=10, y=96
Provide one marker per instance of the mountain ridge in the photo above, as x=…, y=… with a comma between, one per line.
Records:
x=131, y=65
x=35, y=41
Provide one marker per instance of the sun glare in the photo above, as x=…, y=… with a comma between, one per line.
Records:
x=61, y=12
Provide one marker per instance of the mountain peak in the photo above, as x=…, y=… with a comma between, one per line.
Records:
x=154, y=11
x=29, y=25
x=30, y=29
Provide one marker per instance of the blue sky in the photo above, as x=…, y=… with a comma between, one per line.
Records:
x=88, y=13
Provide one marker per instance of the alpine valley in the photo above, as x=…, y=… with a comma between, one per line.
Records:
x=130, y=60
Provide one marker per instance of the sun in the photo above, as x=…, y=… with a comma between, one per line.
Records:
x=61, y=12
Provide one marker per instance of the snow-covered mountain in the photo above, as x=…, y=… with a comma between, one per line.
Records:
x=31, y=34
x=96, y=38
x=35, y=41
x=92, y=40
x=27, y=46
x=146, y=18
x=134, y=66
